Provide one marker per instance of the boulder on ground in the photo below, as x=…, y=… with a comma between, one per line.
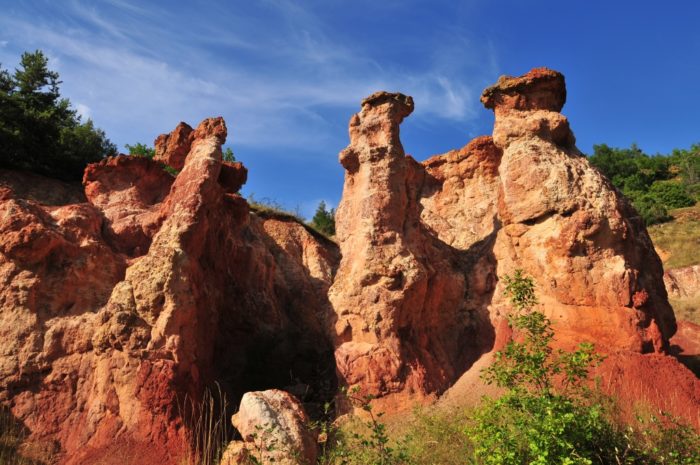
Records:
x=274, y=428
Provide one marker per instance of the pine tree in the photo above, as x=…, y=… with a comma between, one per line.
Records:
x=39, y=130
x=324, y=220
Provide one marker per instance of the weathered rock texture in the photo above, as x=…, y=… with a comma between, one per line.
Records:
x=274, y=429
x=424, y=245
x=112, y=309
x=119, y=300
x=683, y=282
x=403, y=323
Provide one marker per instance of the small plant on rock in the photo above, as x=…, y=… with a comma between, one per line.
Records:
x=368, y=445
x=534, y=422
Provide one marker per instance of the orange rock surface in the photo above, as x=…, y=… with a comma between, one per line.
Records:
x=120, y=299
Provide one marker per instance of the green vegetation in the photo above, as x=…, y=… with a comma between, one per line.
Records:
x=228, y=155
x=547, y=415
x=654, y=184
x=141, y=150
x=361, y=441
x=533, y=422
x=324, y=220
x=39, y=131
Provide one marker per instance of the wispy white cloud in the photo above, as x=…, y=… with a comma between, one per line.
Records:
x=275, y=74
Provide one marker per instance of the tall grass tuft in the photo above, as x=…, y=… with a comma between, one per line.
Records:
x=207, y=426
x=12, y=435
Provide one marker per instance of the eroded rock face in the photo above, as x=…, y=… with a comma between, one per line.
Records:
x=425, y=245
x=117, y=303
x=113, y=309
x=129, y=191
x=403, y=324
x=683, y=282
x=172, y=148
x=274, y=428
x=565, y=225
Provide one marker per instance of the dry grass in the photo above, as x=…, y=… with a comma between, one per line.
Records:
x=687, y=308
x=12, y=435
x=207, y=423
x=679, y=240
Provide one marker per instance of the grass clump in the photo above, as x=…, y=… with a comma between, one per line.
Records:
x=207, y=426
x=679, y=239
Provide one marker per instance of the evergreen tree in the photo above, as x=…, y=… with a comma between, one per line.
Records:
x=39, y=130
x=324, y=220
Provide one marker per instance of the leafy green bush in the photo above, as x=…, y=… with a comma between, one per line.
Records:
x=532, y=422
x=141, y=150
x=39, y=131
x=653, y=184
x=671, y=194
x=649, y=207
x=549, y=416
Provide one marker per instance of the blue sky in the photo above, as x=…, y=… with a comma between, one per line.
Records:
x=287, y=75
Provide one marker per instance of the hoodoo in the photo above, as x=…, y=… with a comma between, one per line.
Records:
x=120, y=301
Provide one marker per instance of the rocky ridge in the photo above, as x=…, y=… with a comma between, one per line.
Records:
x=121, y=301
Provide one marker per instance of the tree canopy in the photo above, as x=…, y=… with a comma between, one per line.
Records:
x=654, y=184
x=39, y=130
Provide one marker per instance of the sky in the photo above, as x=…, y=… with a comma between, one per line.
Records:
x=287, y=75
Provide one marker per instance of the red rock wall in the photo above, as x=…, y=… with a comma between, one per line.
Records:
x=116, y=309
x=118, y=302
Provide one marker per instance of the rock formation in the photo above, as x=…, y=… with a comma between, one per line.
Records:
x=113, y=308
x=123, y=299
x=424, y=245
x=683, y=282
x=399, y=295
x=274, y=429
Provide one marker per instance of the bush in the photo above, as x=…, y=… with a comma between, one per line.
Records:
x=360, y=442
x=141, y=150
x=532, y=422
x=535, y=422
x=651, y=209
x=671, y=194
x=653, y=184
x=39, y=131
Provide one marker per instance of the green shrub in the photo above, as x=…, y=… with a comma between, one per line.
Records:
x=532, y=422
x=549, y=416
x=671, y=194
x=141, y=150
x=360, y=442
x=650, y=208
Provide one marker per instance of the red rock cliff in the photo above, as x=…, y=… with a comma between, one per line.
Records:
x=121, y=299
x=115, y=309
